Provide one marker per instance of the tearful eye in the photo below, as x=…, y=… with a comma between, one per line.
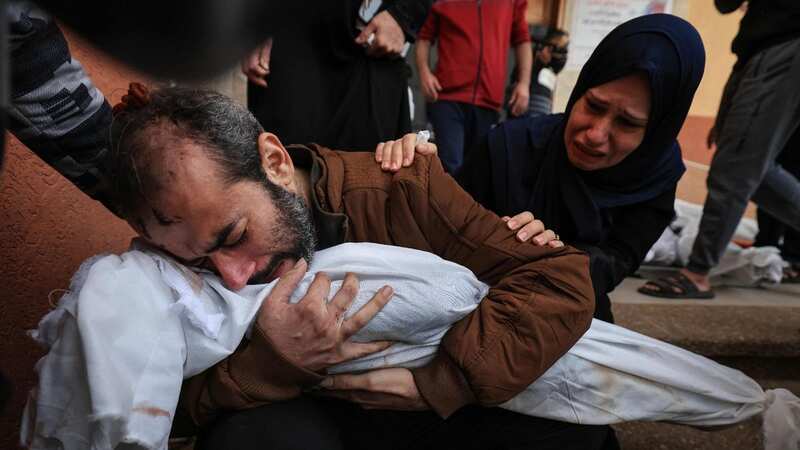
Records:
x=630, y=124
x=594, y=107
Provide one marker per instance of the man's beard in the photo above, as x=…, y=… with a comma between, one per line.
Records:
x=293, y=225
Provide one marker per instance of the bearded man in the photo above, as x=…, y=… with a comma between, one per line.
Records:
x=198, y=177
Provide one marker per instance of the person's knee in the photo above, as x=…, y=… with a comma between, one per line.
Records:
x=297, y=424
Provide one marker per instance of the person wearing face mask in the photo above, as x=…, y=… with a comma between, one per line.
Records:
x=549, y=58
x=604, y=173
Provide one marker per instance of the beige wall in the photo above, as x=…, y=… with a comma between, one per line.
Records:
x=717, y=32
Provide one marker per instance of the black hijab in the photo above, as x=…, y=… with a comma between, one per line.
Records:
x=528, y=157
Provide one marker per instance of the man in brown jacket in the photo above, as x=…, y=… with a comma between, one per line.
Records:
x=197, y=176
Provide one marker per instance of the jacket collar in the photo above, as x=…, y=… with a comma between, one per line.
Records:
x=331, y=225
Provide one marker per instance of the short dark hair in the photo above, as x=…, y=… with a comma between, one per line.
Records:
x=554, y=33
x=226, y=130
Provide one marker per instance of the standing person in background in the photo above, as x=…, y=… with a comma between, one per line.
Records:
x=758, y=113
x=550, y=57
x=466, y=90
x=339, y=81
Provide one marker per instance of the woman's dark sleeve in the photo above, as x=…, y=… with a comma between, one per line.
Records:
x=475, y=177
x=634, y=231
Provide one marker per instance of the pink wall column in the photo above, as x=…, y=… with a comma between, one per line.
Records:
x=47, y=228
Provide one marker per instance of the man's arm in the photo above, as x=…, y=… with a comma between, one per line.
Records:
x=234, y=384
x=521, y=93
x=524, y=55
x=521, y=41
x=428, y=81
x=56, y=110
x=422, y=52
x=541, y=301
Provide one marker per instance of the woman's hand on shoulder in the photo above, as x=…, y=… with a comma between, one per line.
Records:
x=529, y=228
x=392, y=155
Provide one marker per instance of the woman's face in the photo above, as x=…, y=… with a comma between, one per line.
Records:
x=608, y=122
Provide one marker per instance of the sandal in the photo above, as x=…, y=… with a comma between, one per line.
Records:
x=677, y=286
x=791, y=274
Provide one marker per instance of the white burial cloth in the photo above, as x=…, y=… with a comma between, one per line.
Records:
x=134, y=326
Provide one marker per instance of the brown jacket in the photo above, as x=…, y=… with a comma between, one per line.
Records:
x=540, y=303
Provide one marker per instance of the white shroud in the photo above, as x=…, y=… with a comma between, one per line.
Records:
x=133, y=326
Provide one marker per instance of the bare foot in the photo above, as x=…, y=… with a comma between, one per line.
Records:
x=702, y=282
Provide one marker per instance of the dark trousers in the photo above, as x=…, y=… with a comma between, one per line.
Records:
x=771, y=231
x=759, y=112
x=308, y=423
x=458, y=127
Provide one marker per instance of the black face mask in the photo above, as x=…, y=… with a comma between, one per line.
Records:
x=557, y=61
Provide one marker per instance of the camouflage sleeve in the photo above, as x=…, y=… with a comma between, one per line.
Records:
x=55, y=109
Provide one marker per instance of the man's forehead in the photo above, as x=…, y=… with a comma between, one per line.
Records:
x=186, y=214
x=186, y=236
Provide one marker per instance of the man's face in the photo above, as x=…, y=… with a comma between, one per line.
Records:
x=245, y=231
x=554, y=47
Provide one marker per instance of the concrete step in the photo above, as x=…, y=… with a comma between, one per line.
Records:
x=663, y=436
x=756, y=331
x=761, y=341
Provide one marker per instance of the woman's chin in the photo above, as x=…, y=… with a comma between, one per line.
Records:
x=580, y=163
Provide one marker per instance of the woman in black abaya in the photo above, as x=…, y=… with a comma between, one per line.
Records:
x=604, y=173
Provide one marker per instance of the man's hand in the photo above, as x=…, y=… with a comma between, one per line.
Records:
x=400, y=153
x=389, y=38
x=529, y=226
x=519, y=99
x=256, y=65
x=313, y=333
x=430, y=85
x=377, y=389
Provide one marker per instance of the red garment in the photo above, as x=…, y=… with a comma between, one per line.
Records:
x=474, y=37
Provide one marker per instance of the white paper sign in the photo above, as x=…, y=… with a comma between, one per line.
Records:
x=592, y=20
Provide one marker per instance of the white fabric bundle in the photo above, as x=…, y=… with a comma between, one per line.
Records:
x=743, y=267
x=135, y=325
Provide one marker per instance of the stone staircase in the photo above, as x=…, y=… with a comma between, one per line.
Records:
x=756, y=331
